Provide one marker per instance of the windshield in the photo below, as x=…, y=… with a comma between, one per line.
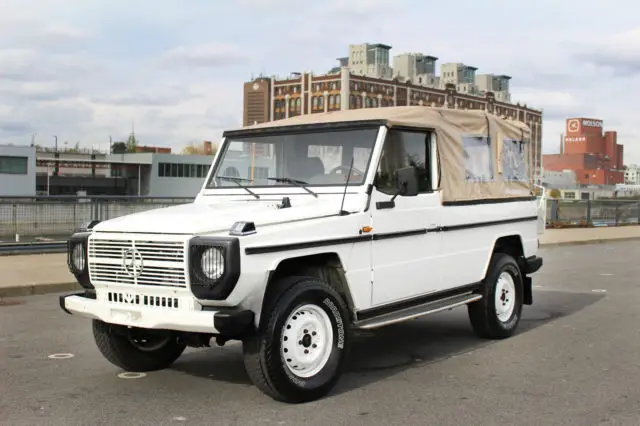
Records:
x=314, y=158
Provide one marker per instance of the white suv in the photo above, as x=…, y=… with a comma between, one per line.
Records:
x=309, y=228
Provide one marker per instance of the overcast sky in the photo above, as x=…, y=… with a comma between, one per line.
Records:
x=87, y=70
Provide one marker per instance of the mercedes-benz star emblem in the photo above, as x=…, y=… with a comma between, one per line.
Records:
x=132, y=262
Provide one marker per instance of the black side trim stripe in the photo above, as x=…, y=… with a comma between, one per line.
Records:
x=409, y=303
x=400, y=234
x=491, y=223
x=488, y=201
x=377, y=237
x=333, y=241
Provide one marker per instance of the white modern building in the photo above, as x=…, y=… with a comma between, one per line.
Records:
x=632, y=175
x=17, y=171
x=25, y=172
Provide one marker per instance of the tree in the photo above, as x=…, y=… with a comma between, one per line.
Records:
x=193, y=149
x=132, y=143
x=118, y=147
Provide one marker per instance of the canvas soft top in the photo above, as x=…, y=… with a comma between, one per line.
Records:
x=483, y=156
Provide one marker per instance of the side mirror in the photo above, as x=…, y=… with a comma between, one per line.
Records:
x=407, y=179
x=408, y=182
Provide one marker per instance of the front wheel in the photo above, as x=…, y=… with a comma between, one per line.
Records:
x=497, y=314
x=299, y=353
x=137, y=350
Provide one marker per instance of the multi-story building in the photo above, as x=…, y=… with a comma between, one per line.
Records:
x=416, y=68
x=463, y=76
x=276, y=99
x=498, y=84
x=595, y=157
x=370, y=60
x=632, y=174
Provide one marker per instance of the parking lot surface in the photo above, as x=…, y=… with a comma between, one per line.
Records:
x=573, y=362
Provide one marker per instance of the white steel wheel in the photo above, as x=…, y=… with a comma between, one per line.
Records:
x=299, y=350
x=498, y=313
x=307, y=340
x=505, y=296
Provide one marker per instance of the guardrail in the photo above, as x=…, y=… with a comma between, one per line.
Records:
x=592, y=213
x=33, y=248
x=57, y=215
x=51, y=218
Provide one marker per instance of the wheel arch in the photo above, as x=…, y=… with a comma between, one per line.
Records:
x=510, y=244
x=513, y=245
x=327, y=266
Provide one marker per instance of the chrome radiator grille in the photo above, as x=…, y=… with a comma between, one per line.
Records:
x=137, y=262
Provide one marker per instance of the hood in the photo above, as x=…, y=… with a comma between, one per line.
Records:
x=200, y=218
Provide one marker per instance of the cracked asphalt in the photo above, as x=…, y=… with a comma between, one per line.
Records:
x=575, y=361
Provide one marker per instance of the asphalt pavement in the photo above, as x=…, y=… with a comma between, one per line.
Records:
x=575, y=361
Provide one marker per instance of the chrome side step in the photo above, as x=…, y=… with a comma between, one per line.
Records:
x=417, y=311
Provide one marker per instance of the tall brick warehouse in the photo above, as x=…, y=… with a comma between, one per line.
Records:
x=268, y=99
x=596, y=158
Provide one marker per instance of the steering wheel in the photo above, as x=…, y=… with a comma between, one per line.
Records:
x=346, y=169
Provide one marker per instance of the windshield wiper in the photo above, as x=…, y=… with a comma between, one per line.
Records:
x=298, y=183
x=237, y=181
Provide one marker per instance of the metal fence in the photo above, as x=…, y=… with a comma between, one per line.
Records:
x=55, y=216
x=588, y=213
x=60, y=215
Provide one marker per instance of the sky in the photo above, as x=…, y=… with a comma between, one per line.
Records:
x=86, y=71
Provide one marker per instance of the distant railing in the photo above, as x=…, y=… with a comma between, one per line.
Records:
x=56, y=217
x=592, y=213
x=52, y=217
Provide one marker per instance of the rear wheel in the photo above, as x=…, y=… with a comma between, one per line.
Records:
x=135, y=349
x=299, y=352
x=497, y=314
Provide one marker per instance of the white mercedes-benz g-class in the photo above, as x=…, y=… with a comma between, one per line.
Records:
x=310, y=228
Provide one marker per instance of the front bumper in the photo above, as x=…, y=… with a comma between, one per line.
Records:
x=230, y=324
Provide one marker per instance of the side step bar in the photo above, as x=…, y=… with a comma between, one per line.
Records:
x=417, y=311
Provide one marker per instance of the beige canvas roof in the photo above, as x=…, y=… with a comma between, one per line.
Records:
x=471, y=169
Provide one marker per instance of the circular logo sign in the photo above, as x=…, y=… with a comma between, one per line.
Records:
x=132, y=262
x=573, y=125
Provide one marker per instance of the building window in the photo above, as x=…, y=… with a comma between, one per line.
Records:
x=178, y=170
x=337, y=100
x=14, y=165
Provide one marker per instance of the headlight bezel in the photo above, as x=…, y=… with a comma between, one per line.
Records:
x=204, y=287
x=82, y=275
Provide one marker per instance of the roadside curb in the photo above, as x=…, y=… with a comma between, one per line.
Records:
x=37, y=289
x=594, y=241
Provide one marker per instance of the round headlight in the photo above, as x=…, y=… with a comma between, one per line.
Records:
x=77, y=257
x=212, y=262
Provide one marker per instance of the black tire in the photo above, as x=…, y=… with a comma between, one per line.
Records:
x=116, y=345
x=263, y=358
x=483, y=314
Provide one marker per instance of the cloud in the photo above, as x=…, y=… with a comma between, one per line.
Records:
x=205, y=56
x=87, y=71
x=619, y=54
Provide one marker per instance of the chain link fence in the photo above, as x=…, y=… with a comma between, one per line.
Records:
x=56, y=216
x=589, y=213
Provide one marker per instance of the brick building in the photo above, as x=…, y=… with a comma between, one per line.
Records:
x=268, y=99
x=594, y=156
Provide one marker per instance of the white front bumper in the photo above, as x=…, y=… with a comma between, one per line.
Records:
x=140, y=316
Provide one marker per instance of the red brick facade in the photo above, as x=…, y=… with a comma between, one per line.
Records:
x=309, y=94
x=594, y=156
